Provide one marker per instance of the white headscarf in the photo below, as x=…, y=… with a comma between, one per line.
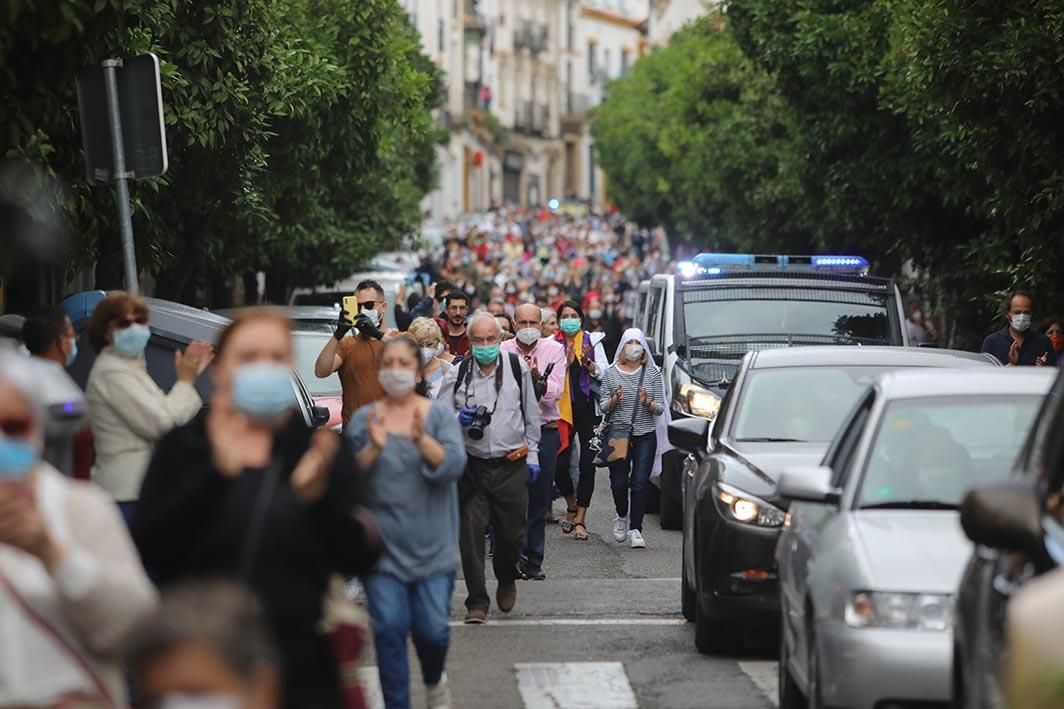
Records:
x=661, y=423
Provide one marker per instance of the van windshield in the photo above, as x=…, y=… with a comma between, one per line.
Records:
x=779, y=317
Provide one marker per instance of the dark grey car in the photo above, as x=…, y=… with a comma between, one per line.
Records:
x=782, y=411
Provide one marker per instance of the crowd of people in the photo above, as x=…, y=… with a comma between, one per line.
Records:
x=515, y=373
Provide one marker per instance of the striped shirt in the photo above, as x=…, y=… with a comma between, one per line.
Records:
x=629, y=382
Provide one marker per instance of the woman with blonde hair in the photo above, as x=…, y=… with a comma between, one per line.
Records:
x=429, y=338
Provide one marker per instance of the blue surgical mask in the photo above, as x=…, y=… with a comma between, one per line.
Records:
x=73, y=353
x=131, y=341
x=570, y=326
x=263, y=390
x=485, y=354
x=17, y=457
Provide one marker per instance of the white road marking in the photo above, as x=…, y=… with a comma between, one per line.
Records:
x=371, y=687
x=765, y=676
x=503, y=623
x=575, y=685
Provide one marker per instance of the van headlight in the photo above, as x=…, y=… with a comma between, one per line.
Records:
x=918, y=611
x=693, y=400
x=738, y=506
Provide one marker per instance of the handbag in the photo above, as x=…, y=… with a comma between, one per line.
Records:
x=612, y=438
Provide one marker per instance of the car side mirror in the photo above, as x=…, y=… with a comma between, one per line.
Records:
x=689, y=434
x=319, y=415
x=811, y=484
x=1004, y=516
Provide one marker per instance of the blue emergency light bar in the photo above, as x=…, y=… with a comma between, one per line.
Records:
x=708, y=265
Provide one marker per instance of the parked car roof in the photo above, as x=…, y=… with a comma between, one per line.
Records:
x=292, y=312
x=851, y=356
x=919, y=384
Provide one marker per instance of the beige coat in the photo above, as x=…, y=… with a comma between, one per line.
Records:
x=1034, y=668
x=129, y=413
x=92, y=599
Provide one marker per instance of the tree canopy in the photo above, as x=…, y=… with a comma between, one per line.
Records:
x=300, y=132
x=919, y=131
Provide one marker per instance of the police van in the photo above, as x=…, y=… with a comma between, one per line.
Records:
x=717, y=307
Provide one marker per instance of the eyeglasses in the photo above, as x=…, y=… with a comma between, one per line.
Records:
x=16, y=427
x=128, y=322
x=369, y=304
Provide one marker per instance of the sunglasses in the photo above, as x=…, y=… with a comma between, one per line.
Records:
x=368, y=305
x=16, y=427
x=128, y=322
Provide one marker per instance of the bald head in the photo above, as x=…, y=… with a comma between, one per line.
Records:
x=527, y=315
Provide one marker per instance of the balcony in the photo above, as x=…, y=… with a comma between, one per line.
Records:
x=574, y=110
x=540, y=38
x=523, y=36
x=474, y=20
x=542, y=121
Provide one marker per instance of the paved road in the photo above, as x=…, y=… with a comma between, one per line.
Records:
x=604, y=630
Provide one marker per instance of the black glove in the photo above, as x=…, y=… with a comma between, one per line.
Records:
x=342, y=325
x=367, y=328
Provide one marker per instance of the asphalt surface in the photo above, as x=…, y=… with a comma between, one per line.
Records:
x=603, y=630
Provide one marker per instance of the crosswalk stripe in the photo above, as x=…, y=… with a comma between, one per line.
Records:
x=575, y=685
x=765, y=676
x=509, y=623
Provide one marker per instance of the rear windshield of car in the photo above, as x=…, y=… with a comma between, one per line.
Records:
x=806, y=404
x=935, y=450
x=756, y=318
x=307, y=348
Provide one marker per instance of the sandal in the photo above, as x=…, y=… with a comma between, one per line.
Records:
x=567, y=524
x=581, y=536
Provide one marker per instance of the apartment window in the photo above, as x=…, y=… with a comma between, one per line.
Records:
x=626, y=58
x=570, y=29
x=441, y=32
x=591, y=61
x=606, y=62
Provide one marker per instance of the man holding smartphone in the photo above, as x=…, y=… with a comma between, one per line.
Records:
x=355, y=358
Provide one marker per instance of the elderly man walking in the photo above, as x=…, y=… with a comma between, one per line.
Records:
x=494, y=396
x=545, y=359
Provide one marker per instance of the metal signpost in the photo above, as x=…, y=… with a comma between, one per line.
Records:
x=123, y=134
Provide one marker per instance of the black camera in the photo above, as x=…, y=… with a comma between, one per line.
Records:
x=481, y=419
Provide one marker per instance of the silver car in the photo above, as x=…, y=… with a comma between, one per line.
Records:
x=872, y=550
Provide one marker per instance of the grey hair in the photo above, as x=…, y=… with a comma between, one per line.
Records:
x=485, y=315
x=545, y=313
x=223, y=614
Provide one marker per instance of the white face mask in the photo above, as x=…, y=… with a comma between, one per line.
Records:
x=528, y=335
x=428, y=354
x=1020, y=323
x=916, y=315
x=373, y=316
x=634, y=352
x=397, y=382
x=595, y=314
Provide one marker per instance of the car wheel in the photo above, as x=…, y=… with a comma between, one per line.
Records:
x=790, y=697
x=814, y=693
x=687, y=595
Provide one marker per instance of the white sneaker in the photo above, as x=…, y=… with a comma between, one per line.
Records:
x=438, y=696
x=635, y=540
x=620, y=529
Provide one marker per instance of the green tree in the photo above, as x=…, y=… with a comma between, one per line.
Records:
x=299, y=131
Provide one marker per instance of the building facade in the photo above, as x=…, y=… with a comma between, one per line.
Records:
x=521, y=79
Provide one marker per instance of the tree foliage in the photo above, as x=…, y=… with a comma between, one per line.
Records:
x=300, y=131
x=919, y=131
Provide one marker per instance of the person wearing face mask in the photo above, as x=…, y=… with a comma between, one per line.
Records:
x=49, y=335
x=585, y=361
x=1015, y=345
x=207, y=646
x=633, y=394
x=355, y=358
x=127, y=410
x=246, y=491
x=71, y=584
x=919, y=328
x=545, y=359
x=413, y=453
x=1054, y=330
x=426, y=332
x=495, y=399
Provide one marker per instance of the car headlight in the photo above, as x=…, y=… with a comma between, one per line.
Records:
x=695, y=400
x=919, y=611
x=738, y=506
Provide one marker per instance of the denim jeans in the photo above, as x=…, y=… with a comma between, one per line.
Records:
x=539, y=499
x=633, y=474
x=397, y=609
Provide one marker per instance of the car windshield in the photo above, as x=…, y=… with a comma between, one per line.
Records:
x=307, y=348
x=799, y=403
x=929, y=452
x=782, y=316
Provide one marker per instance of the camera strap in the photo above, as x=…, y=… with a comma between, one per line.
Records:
x=465, y=374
